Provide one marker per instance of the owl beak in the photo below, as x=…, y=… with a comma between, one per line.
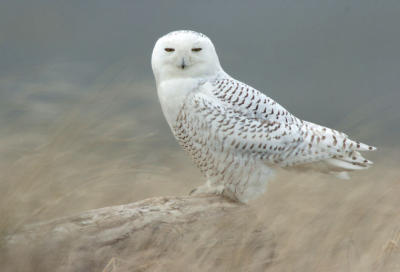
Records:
x=183, y=64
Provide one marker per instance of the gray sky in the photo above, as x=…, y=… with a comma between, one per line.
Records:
x=335, y=63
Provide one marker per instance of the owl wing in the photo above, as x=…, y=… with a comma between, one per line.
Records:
x=251, y=102
x=205, y=122
x=313, y=142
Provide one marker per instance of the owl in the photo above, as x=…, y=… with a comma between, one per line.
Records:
x=236, y=135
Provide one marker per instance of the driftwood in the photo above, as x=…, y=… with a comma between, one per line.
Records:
x=194, y=233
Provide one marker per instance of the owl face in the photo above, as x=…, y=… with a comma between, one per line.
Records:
x=181, y=54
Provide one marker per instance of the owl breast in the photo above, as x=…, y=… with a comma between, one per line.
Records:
x=172, y=94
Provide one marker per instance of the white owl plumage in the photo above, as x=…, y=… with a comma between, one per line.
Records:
x=235, y=134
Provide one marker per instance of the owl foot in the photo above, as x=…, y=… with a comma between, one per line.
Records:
x=207, y=190
x=213, y=190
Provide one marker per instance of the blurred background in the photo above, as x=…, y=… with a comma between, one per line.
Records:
x=80, y=122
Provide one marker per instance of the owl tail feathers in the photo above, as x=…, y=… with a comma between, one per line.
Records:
x=340, y=165
x=365, y=147
x=349, y=162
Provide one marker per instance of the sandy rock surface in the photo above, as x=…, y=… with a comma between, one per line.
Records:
x=156, y=234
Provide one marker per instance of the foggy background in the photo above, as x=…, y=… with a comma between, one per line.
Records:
x=324, y=60
x=80, y=122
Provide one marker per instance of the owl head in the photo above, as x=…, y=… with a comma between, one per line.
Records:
x=184, y=54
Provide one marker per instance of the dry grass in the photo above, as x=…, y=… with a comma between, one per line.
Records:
x=105, y=151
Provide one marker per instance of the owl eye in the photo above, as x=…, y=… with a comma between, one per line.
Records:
x=196, y=49
x=169, y=49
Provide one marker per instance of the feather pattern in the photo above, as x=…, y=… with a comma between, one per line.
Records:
x=235, y=134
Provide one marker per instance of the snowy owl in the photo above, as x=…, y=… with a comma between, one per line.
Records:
x=235, y=134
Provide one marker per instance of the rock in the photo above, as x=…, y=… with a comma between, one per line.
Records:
x=194, y=233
